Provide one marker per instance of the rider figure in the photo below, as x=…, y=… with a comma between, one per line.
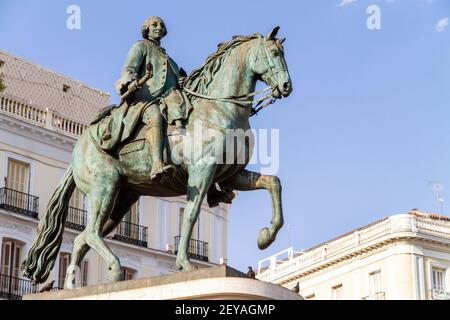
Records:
x=166, y=77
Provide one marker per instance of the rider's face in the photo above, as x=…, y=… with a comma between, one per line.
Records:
x=156, y=29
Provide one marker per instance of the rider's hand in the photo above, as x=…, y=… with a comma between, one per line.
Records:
x=134, y=85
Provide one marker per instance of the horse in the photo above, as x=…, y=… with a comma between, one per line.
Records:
x=221, y=92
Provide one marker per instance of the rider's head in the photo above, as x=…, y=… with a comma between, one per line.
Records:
x=154, y=28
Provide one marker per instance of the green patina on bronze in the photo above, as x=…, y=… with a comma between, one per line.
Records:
x=113, y=162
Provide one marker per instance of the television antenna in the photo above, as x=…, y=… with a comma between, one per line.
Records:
x=289, y=234
x=437, y=187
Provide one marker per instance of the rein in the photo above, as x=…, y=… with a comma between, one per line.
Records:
x=246, y=100
x=242, y=100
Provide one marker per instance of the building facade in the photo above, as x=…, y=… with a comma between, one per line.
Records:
x=402, y=257
x=42, y=114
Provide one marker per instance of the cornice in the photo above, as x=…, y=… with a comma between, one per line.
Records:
x=345, y=258
x=36, y=133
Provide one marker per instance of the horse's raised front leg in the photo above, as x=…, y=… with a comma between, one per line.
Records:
x=246, y=181
x=201, y=176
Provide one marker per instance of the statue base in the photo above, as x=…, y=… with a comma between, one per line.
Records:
x=214, y=283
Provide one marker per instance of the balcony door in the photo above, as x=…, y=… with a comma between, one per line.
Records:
x=437, y=279
x=10, y=262
x=18, y=177
x=18, y=183
x=10, y=265
x=128, y=273
x=375, y=287
x=64, y=261
x=131, y=220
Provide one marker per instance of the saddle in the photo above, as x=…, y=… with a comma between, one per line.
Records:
x=114, y=124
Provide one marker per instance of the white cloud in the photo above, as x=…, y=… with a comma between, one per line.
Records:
x=441, y=25
x=344, y=3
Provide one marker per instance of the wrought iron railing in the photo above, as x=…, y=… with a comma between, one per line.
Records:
x=19, y=202
x=197, y=249
x=132, y=233
x=440, y=294
x=376, y=296
x=14, y=288
x=76, y=219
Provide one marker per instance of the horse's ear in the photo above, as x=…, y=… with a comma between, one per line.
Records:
x=273, y=33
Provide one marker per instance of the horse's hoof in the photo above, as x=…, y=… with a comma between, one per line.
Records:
x=70, y=281
x=69, y=284
x=186, y=266
x=264, y=238
x=69, y=287
x=115, y=273
x=189, y=267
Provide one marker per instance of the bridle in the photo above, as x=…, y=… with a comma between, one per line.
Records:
x=246, y=100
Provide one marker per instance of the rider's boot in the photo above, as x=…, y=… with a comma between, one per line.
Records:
x=154, y=136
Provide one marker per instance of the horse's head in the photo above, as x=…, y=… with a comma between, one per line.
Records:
x=269, y=65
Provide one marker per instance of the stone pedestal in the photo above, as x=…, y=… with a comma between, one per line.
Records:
x=213, y=283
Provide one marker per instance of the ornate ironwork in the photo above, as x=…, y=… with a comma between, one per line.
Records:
x=14, y=288
x=132, y=233
x=76, y=219
x=197, y=249
x=19, y=202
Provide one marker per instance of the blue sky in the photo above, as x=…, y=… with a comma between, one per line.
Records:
x=366, y=128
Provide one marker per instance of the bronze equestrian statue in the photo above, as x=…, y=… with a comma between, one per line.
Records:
x=128, y=151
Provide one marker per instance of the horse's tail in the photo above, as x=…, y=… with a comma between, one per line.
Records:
x=42, y=255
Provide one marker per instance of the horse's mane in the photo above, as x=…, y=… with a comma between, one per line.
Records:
x=200, y=78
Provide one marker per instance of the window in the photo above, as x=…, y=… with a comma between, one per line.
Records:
x=337, y=292
x=132, y=216
x=66, y=88
x=18, y=176
x=375, y=283
x=10, y=262
x=437, y=278
x=2, y=63
x=128, y=274
x=64, y=260
x=131, y=219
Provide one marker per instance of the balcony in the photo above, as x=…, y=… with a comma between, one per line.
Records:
x=13, y=288
x=19, y=202
x=39, y=116
x=131, y=233
x=376, y=296
x=440, y=294
x=76, y=219
x=197, y=249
